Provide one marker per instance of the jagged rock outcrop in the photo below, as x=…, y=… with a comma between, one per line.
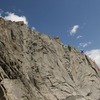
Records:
x=34, y=66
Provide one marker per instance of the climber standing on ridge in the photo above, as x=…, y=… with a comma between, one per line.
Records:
x=82, y=51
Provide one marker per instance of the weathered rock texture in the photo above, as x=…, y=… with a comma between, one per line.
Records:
x=34, y=66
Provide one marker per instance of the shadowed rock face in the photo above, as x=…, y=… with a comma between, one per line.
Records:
x=35, y=67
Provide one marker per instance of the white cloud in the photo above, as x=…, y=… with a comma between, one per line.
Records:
x=84, y=44
x=95, y=55
x=33, y=28
x=74, y=29
x=16, y=18
x=79, y=36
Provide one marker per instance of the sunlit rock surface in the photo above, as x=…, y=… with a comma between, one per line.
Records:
x=34, y=66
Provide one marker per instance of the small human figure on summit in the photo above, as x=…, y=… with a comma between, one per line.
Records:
x=82, y=51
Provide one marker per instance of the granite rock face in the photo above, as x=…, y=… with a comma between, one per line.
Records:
x=34, y=66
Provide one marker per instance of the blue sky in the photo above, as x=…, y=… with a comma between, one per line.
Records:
x=76, y=22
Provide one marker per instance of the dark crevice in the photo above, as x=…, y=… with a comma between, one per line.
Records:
x=50, y=82
x=12, y=35
x=35, y=83
x=89, y=94
x=3, y=98
x=71, y=76
x=2, y=92
x=2, y=43
x=10, y=72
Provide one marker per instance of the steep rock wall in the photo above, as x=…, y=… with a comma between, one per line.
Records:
x=34, y=66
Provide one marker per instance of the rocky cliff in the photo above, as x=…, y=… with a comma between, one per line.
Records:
x=34, y=66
